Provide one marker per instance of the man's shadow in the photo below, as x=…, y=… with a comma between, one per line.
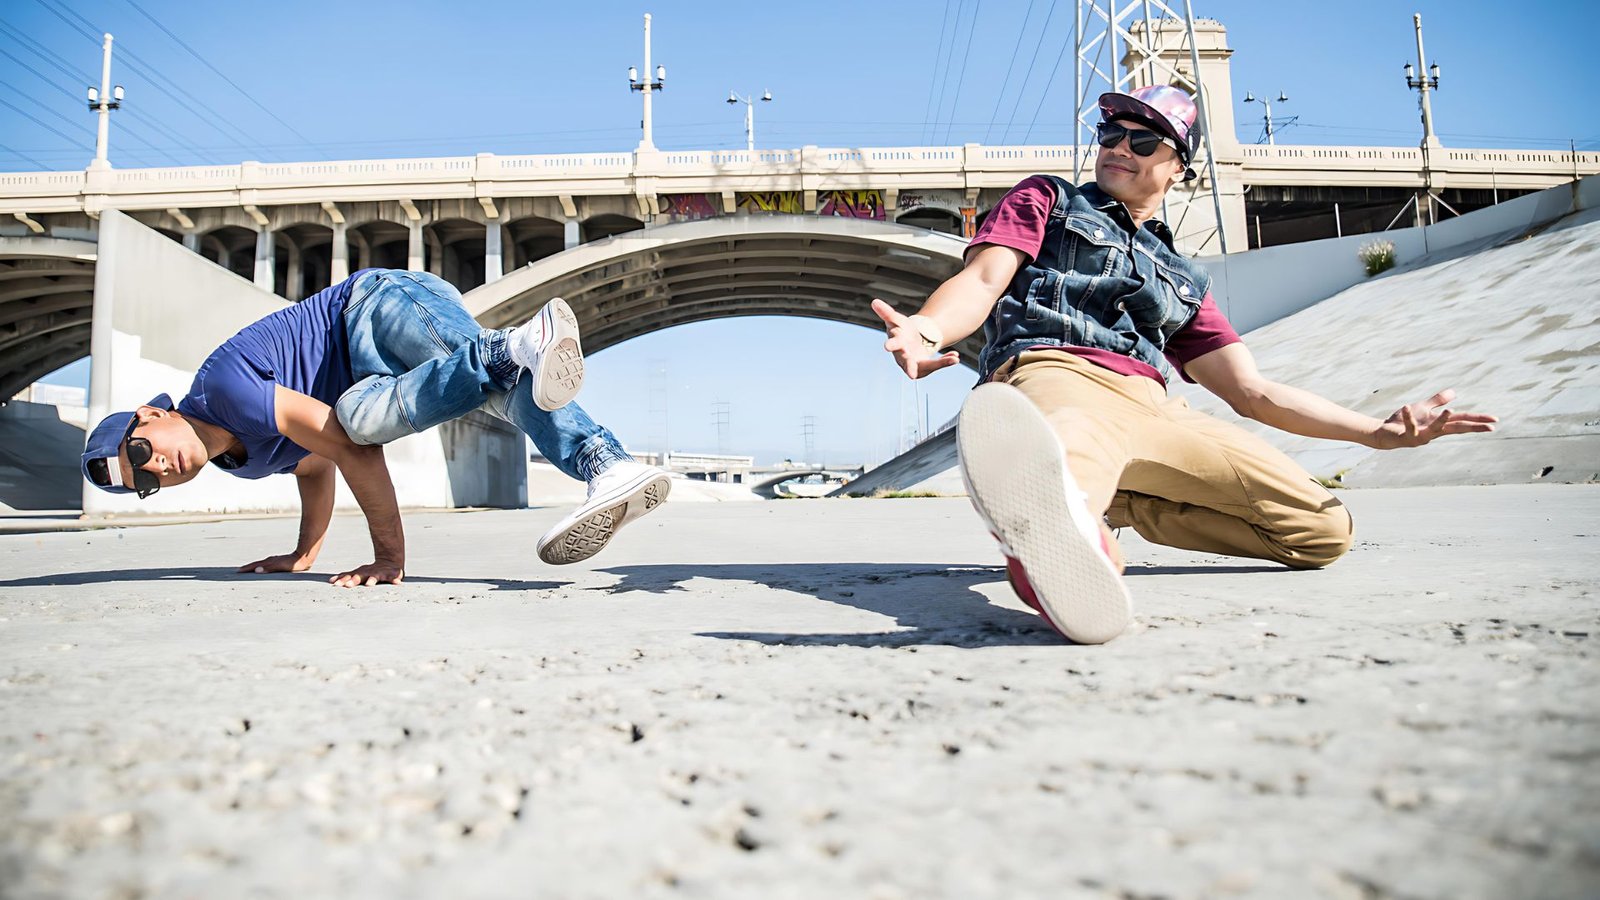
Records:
x=224, y=573
x=933, y=604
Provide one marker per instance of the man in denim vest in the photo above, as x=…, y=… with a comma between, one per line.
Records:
x=325, y=383
x=1084, y=303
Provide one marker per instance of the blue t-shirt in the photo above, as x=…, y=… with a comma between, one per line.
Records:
x=304, y=348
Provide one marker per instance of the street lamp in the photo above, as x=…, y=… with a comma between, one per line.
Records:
x=1252, y=98
x=1423, y=85
x=750, y=115
x=647, y=87
x=102, y=101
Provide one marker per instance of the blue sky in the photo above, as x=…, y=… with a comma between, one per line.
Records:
x=319, y=80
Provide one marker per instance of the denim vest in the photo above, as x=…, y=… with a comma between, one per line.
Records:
x=1097, y=282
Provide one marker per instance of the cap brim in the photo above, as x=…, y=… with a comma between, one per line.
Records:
x=1114, y=105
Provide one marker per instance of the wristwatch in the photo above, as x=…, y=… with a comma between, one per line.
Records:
x=932, y=336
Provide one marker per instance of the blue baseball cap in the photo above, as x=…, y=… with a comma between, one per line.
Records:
x=101, y=456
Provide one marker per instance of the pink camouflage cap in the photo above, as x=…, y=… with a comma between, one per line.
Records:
x=1163, y=107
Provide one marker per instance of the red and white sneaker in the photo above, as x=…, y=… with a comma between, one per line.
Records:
x=547, y=346
x=1056, y=557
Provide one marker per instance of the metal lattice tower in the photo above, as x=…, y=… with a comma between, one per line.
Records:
x=808, y=431
x=721, y=417
x=1105, y=35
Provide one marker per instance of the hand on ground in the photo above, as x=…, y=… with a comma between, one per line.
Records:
x=911, y=354
x=283, y=562
x=1416, y=424
x=368, y=575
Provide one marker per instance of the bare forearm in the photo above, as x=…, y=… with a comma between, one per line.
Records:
x=316, y=510
x=1301, y=412
x=367, y=474
x=959, y=306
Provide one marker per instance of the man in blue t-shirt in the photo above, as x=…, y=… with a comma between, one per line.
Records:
x=324, y=384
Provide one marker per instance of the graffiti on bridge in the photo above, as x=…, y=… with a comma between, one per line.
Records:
x=851, y=204
x=770, y=202
x=689, y=207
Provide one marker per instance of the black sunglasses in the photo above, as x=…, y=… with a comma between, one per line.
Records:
x=139, y=453
x=1142, y=143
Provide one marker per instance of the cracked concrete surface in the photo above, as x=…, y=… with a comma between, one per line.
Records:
x=804, y=698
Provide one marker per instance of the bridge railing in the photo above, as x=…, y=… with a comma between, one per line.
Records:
x=970, y=165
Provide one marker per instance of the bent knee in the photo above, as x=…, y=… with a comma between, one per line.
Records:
x=1321, y=540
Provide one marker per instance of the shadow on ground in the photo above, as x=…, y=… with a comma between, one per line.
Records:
x=932, y=604
x=223, y=573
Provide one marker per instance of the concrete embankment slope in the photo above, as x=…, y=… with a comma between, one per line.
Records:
x=1514, y=329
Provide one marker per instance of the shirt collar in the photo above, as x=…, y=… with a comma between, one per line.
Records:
x=1114, y=208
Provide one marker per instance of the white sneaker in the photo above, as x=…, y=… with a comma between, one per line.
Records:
x=547, y=346
x=1016, y=475
x=620, y=494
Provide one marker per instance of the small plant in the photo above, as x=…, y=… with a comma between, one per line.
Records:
x=886, y=494
x=1377, y=256
x=1334, y=483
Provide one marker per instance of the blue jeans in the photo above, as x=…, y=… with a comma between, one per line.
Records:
x=419, y=358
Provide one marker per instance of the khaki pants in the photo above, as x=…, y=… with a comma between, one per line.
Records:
x=1176, y=476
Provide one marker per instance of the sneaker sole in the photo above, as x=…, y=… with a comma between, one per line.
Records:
x=560, y=373
x=1017, y=477
x=590, y=534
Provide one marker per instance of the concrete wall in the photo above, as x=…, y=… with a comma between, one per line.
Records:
x=159, y=311
x=1262, y=286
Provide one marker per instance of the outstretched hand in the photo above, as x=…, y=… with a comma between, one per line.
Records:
x=368, y=575
x=1416, y=424
x=911, y=353
x=283, y=562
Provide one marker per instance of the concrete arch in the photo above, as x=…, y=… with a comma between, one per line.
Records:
x=934, y=217
x=813, y=266
x=46, y=300
x=232, y=247
x=456, y=249
x=604, y=225
x=532, y=238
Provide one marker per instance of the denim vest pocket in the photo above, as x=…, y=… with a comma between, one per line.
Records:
x=1096, y=245
x=1182, y=296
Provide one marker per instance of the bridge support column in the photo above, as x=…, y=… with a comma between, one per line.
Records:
x=339, y=268
x=414, y=246
x=265, y=260
x=493, y=260
x=435, y=254
x=293, y=290
x=569, y=233
x=191, y=242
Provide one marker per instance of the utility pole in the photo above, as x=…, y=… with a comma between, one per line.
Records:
x=1430, y=141
x=749, y=115
x=102, y=101
x=1252, y=98
x=721, y=417
x=647, y=86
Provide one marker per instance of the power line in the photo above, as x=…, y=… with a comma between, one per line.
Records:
x=944, y=83
x=4, y=148
x=213, y=68
x=1011, y=64
x=1029, y=77
x=139, y=67
x=927, y=112
x=1049, y=82
x=972, y=29
x=57, y=85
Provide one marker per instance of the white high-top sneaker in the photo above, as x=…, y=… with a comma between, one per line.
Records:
x=547, y=346
x=1017, y=479
x=617, y=496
